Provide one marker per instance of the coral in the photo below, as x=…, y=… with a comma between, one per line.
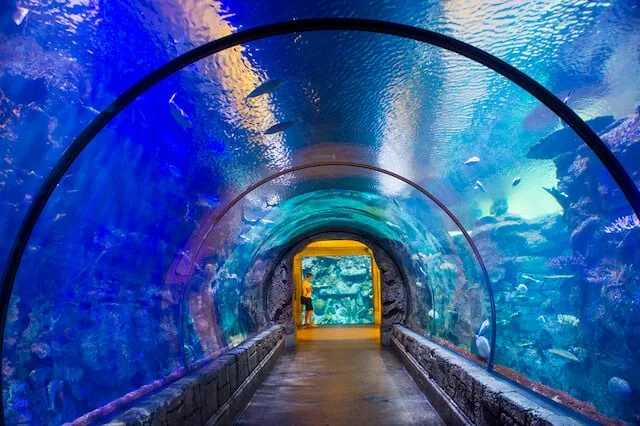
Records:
x=568, y=320
x=562, y=262
x=621, y=224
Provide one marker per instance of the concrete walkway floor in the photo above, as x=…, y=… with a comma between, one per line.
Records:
x=339, y=376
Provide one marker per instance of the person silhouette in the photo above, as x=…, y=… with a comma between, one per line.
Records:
x=305, y=300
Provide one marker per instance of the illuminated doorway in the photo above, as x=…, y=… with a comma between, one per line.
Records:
x=346, y=283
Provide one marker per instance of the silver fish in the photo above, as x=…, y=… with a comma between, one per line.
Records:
x=473, y=160
x=19, y=15
x=483, y=347
x=479, y=186
x=516, y=181
x=178, y=113
x=483, y=327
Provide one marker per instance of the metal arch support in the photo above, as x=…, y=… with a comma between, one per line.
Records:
x=20, y=242
x=365, y=166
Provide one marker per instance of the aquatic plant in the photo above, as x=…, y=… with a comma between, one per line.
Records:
x=623, y=223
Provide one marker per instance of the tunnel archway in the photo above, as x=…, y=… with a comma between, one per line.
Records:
x=49, y=185
x=221, y=215
x=395, y=292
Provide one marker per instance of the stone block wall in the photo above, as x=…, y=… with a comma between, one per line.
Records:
x=214, y=394
x=478, y=397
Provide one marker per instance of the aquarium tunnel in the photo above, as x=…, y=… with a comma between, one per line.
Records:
x=165, y=165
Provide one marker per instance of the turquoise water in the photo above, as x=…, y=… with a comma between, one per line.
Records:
x=122, y=284
x=342, y=289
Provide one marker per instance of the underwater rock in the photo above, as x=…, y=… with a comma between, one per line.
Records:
x=564, y=140
x=485, y=220
x=42, y=350
x=582, y=236
x=619, y=387
x=500, y=207
x=528, y=264
x=22, y=90
x=544, y=339
x=561, y=198
x=53, y=391
x=41, y=376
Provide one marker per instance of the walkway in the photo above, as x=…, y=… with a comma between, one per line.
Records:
x=339, y=376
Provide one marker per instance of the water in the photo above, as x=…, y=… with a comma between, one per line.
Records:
x=342, y=289
x=122, y=284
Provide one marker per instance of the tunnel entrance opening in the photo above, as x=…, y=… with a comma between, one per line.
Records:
x=345, y=282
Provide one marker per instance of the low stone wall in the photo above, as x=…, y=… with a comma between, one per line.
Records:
x=464, y=392
x=215, y=393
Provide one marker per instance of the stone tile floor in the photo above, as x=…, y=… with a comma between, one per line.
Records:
x=339, y=376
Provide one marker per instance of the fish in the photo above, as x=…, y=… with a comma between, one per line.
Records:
x=396, y=203
x=178, y=113
x=264, y=88
x=90, y=109
x=565, y=101
x=564, y=354
x=433, y=314
x=280, y=127
x=568, y=96
x=522, y=288
x=483, y=327
x=479, y=186
x=175, y=172
x=19, y=14
x=208, y=201
x=516, y=181
x=530, y=278
x=59, y=216
x=471, y=161
x=484, y=350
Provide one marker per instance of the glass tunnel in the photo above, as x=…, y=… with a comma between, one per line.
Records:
x=152, y=253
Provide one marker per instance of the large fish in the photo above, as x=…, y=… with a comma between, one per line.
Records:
x=280, y=127
x=178, y=113
x=484, y=349
x=266, y=87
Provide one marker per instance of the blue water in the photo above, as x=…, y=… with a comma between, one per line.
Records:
x=342, y=289
x=121, y=278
